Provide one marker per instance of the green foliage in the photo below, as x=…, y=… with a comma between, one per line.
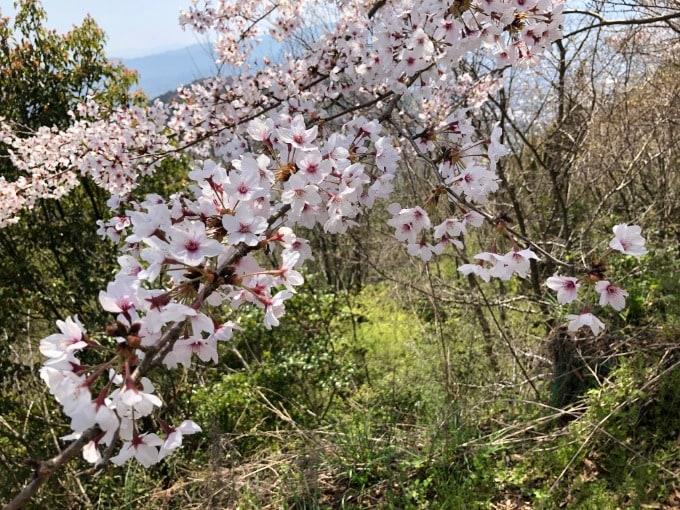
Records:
x=43, y=74
x=304, y=366
x=54, y=263
x=394, y=441
x=394, y=345
x=618, y=450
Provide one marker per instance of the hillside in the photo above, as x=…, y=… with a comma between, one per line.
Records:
x=164, y=72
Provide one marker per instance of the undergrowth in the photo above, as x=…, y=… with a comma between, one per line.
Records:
x=392, y=437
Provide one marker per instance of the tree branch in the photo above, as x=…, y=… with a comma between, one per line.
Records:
x=47, y=468
x=617, y=22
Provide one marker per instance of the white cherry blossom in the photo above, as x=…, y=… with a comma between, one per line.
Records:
x=585, y=319
x=143, y=447
x=611, y=295
x=565, y=286
x=627, y=239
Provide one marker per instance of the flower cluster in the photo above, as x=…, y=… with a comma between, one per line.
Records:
x=194, y=253
x=515, y=262
x=627, y=240
x=114, y=148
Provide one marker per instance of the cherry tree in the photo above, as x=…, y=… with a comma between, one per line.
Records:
x=308, y=141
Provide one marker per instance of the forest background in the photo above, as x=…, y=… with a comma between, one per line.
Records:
x=391, y=382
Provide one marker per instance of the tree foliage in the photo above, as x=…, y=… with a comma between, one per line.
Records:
x=54, y=263
x=53, y=260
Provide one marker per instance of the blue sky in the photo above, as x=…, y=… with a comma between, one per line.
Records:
x=134, y=27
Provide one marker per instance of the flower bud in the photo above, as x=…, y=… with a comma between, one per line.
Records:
x=117, y=329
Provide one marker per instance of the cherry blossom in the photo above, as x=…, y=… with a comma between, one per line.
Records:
x=244, y=183
x=120, y=297
x=496, y=149
x=297, y=136
x=473, y=218
x=451, y=227
x=133, y=401
x=424, y=250
x=174, y=436
x=289, y=277
x=611, y=295
x=308, y=141
x=61, y=345
x=627, y=239
x=518, y=261
x=143, y=447
x=91, y=453
x=565, y=286
x=478, y=269
x=244, y=226
x=190, y=244
x=585, y=319
x=274, y=308
x=312, y=167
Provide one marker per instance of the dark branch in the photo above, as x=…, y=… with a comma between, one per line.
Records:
x=602, y=22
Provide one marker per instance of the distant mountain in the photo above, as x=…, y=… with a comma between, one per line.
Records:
x=164, y=72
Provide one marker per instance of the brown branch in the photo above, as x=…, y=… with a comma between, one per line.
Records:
x=617, y=22
x=47, y=468
x=154, y=356
x=375, y=8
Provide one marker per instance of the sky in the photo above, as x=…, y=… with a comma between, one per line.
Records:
x=134, y=28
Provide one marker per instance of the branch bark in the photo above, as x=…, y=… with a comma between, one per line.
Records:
x=620, y=22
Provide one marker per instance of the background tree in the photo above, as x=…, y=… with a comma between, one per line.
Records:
x=53, y=261
x=43, y=76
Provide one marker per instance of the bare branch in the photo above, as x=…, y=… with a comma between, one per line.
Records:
x=617, y=22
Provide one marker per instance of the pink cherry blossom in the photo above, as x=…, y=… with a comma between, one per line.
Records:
x=260, y=130
x=70, y=340
x=311, y=140
x=244, y=226
x=424, y=250
x=312, y=167
x=120, y=297
x=499, y=268
x=190, y=244
x=496, y=149
x=518, y=261
x=244, y=184
x=290, y=277
x=274, y=308
x=297, y=136
x=450, y=227
x=132, y=401
x=627, y=239
x=611, y=295
x=183, y=349
x=566, y=287
x=299, y=193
